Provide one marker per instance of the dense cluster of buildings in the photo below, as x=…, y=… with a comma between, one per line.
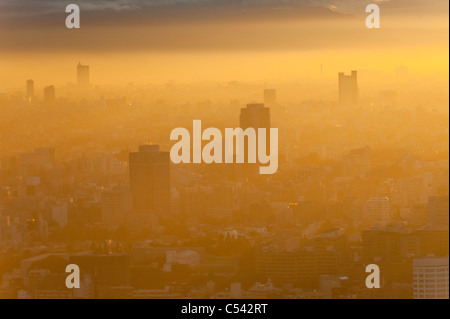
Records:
x=139, y=226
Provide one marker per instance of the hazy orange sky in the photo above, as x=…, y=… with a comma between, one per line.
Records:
x=156, y=41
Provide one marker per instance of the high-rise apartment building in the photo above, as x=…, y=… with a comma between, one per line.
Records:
x=149, y=180
x=83, y=78
x=348, y=89
x=256, y=116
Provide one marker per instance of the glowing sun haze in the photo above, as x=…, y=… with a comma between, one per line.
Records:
x=155, y=40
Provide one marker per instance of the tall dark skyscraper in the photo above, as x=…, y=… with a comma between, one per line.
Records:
x=30, y=90
x=256, y=116
x=83, y=79
x=149, y=180
x=348, y=89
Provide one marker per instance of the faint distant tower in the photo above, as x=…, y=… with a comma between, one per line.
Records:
x=30, y=90
x=149, y=180
x=270, y=97
x=49, y=94
x=83, y=80
x=348, y=89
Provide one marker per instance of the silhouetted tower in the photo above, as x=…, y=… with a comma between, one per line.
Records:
x=348, y=89
x=83, y=80
x=149, y=180
x=256, y=116
x=30, y=90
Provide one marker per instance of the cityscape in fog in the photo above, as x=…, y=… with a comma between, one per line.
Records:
x=354, y=176
x=86, y=178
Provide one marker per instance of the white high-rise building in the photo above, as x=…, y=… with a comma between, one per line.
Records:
x=431, y=277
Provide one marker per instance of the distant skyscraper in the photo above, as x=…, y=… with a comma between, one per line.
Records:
x=348, y=89
x=149, y=180
x=30, y=90
x=83, y=79
x=255, y=116
x=270, y=97
x=49, y=94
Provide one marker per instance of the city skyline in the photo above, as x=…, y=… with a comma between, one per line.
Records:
x=239, y=151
